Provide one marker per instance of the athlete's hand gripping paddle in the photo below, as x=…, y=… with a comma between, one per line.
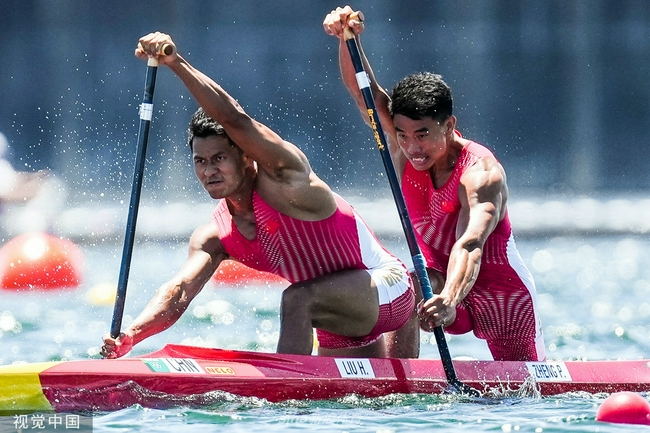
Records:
x=146, y=113
x=418, y=260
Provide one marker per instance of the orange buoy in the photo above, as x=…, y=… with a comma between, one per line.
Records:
x=233, y=273
x=39, y=261
x=624, y=408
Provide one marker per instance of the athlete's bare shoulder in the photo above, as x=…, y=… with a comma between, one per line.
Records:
x=308, y=198
x=206, y=238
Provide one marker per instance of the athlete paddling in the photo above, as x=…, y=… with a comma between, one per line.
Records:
x=277, y=216
x=456, y=193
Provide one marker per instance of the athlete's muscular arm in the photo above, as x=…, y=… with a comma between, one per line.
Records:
x=172, y=298
x=334, y=24
x=285, y=176
x=483, y=194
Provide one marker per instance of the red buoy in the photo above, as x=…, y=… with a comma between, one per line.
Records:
x=624, y=408
x=39, y=261
x=233, y=273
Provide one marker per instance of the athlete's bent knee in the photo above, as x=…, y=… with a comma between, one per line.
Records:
x=296, y=296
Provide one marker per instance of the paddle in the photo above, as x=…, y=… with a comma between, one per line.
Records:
x=146, y=112
x=418, y=260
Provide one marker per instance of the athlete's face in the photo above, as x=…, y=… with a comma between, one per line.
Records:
x=423, y=141
x=220, y=167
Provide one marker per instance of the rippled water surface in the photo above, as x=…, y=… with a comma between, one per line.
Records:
x=592, y=294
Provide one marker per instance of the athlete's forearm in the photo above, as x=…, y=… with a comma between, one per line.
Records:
x=216, y=102
x=379, y=95
x=349, y=78
x=462, y=272
x=165, y=308
x=348, y=74
x=481, y=204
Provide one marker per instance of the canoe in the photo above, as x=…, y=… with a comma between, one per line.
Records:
x=180, y=375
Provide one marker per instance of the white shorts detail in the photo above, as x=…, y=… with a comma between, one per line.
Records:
x=387, y=272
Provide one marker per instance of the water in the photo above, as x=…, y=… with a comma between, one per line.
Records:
x=592, y=294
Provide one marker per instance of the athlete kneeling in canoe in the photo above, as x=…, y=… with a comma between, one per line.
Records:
x=278, y=216
x=456, y=193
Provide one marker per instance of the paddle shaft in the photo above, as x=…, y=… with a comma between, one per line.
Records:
x=416, y=255
x=146, y=112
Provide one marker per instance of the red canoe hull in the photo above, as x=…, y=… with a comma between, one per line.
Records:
x=183, y=375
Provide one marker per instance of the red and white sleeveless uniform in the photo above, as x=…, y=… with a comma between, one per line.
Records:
x=500, y=307
x=301, y=250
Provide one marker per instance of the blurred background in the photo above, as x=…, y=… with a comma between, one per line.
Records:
x=557, y=89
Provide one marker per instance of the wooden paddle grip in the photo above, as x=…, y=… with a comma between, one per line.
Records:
x=166, y=49
x=347, y=32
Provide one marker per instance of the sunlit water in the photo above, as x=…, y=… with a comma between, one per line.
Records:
x=592, y=296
